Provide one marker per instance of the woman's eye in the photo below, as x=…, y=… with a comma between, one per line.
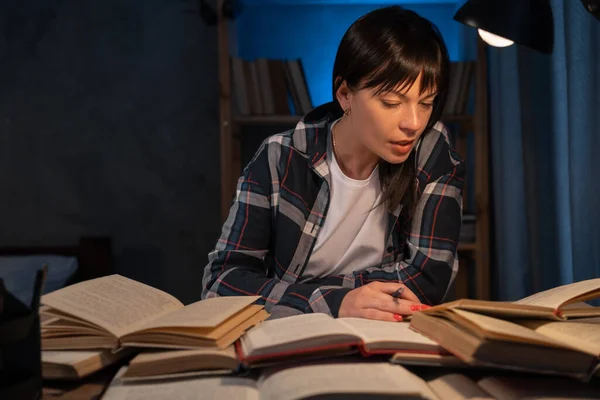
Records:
x=427, y=105
x=389, y=105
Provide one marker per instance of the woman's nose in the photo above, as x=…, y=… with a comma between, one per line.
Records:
x=410, y=121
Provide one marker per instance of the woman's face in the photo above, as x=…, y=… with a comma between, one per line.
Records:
x=388, y=124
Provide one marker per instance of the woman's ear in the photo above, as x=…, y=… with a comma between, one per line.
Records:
x=344, y=95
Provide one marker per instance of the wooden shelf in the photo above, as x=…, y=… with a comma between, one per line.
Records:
x=267, y=119
x=466, y=122
x=467, y=246
x=458, y=119
x=293, y=119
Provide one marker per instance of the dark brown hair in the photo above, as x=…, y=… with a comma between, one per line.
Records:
x=387, y=49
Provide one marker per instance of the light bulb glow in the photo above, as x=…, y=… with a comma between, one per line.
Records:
x=494, y=40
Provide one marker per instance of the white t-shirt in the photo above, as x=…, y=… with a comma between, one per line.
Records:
x=352, y=237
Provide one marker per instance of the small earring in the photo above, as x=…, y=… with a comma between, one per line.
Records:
x=346, y=111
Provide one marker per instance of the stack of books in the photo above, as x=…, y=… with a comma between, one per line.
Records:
x=552, y=332
x=110, y=318
x=226, y=347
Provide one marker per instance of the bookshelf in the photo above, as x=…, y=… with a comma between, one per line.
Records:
x=267, y=119
x=474, y=256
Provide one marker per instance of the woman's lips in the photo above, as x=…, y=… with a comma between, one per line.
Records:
x=403, y=146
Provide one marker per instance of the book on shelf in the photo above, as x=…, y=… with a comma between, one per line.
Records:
x=520, y=344
x=78, y=364
x=114, y=311
x=301, y=381
x=559, y=303
x=269, y=86
x=467, y=230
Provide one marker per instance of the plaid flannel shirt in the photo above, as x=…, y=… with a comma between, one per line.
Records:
x=281, y=203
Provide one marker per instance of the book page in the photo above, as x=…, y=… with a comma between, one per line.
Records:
x=71, y=323
x=207, y=313
x=83, y=362
x=349, y=378
x=390, y=335
x=582, y=336
x=178, y=375
x=458, y=387
x=46, y=319
x=158, y=356
x=577, y=306
x=556, y=297
x=581, y=312
x=113, y=302
x=176, y=362
x=188, y=389
x=67, y=318
x=431, y=360
x=69, y=357
x=498, y=309
x=501, y=329
x=84, y=342
x=539, y=387
x=305, y=330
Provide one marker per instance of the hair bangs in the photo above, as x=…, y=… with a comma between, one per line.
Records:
x=401, y=71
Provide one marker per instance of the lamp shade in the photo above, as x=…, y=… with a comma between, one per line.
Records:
x=526, y=22
x=593, y=6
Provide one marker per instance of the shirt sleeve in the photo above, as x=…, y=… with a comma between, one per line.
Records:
x=237, y=264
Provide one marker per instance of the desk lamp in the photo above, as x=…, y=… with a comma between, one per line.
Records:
x=501, y=23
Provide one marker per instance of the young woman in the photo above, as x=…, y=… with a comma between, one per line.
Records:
x=357, y=210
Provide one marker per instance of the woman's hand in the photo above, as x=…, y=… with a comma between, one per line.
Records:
x=375, y=301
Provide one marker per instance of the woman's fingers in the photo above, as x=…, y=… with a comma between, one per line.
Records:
x=391, y=288
x=384, y=302
x=375, y=301
x=373, y=313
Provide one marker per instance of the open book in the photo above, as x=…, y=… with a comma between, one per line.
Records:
x=115, y=311
x=77, y=364
x=458, y=386
x=559, y=303
x=320, y=335
x=308, y=381
x=537, y=387
x=581, y=334
x=164, y=364
x=290, y=339
x=482, y=340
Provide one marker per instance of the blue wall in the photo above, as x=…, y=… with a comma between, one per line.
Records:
x=313, y=32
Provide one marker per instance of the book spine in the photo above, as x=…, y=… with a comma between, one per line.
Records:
x=239, y=353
